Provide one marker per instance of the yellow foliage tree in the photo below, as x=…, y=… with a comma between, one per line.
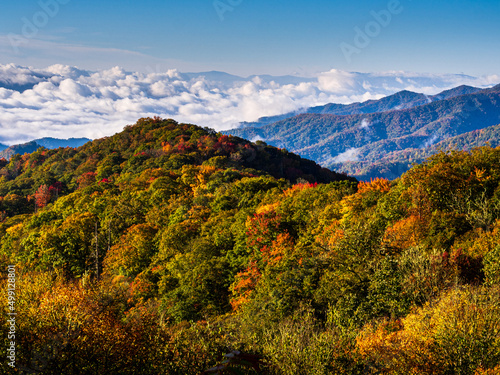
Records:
x=459, y=334
x=366, y=197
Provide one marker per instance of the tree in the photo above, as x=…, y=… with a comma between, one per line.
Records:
x=86, y=179
x=133, y=252
x=42, y=196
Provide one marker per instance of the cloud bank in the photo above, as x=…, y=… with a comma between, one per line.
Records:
x=63, y=101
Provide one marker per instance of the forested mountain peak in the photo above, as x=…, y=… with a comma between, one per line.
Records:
x=23, y=148
x=149, y=144
x=183, y=144
x=496, y=88
x=457, y=91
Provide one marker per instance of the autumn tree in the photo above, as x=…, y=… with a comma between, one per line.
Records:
x=42, y=196
x=86, y=179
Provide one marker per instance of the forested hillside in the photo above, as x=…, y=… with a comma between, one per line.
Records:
x=166, y=246
x=393, y=164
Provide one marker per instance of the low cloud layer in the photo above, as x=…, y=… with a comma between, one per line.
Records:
x=62, y=101
x=349, y=155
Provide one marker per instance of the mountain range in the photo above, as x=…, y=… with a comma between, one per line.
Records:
x=401, y=100
x=383, y=138
x=47, y=142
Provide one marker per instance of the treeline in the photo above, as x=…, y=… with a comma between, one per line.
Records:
x=162, y=248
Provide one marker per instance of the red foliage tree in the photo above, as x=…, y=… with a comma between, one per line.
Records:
x=42, y=196
x=56, y=188
x=86, y=179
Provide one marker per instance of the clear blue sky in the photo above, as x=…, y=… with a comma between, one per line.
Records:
x=255, y=36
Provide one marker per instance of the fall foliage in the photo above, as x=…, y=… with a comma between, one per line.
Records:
x=166, y=246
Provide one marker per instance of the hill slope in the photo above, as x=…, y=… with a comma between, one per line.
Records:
x=151, y=143
x=153, y=263
x=395, y=163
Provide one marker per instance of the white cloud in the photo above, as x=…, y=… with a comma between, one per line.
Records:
x=431, y=141
x=365, y=124
x=339, y=82
x=64, y=101
x=351, y=154
x=257, y=138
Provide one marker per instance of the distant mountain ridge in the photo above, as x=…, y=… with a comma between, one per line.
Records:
x=25, y=148
x=231, y=78
x=401, y=100
x=354, y=143
x=32, y=146
x=52, y=143
x=395, y=163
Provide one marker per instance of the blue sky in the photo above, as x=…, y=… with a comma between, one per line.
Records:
x=247, y=37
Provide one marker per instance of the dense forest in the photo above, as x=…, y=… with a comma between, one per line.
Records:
x=172, y=249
